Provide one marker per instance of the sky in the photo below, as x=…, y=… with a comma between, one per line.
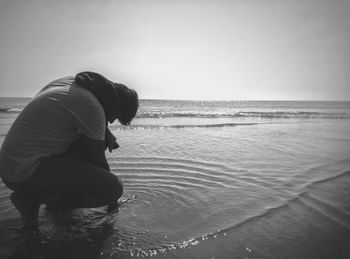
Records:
x=181, y=49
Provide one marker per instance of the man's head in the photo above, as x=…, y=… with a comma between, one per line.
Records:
x=118, y=101
x=127, y=106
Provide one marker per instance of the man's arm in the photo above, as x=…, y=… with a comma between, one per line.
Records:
x=110, y=140
x=95, y=152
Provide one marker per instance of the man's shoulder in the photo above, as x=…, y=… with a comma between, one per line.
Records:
x=68, y=92
x=58, y=83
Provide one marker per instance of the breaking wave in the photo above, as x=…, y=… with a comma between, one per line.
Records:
x=184, y=126
x=11, y=109
x=148, y=112
x=244, y=114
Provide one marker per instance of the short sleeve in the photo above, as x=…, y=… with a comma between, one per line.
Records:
x=90, y=121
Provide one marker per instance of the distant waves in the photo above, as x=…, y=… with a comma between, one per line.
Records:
x=244, y=114
x=220, y=114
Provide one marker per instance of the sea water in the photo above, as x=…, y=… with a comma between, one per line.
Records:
x=210, y=179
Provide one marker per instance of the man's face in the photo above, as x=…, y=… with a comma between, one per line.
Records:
x=113, y=117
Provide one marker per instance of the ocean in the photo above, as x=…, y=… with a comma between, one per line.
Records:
x=209, y=179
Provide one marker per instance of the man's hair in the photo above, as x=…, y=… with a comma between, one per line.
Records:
x=128, y=103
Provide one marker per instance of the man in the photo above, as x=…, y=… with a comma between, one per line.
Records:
x=54, y=151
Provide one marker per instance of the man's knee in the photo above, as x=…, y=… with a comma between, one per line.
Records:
x=116, y=188
x=120, y=188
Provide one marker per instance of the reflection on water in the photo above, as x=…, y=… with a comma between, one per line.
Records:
x=96, y=233
x=225, y=189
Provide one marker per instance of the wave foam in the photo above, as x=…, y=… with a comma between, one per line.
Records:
x=218, y=114
x=244, y=114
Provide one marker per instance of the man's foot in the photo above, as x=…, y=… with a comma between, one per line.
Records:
x=28, y=208
x=113, y=207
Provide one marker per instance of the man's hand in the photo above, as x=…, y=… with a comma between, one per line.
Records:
x=110, y=141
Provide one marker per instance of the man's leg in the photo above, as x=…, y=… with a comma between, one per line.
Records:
x=76, y=183
x=26, y=204
x=81, y=185
x=28, y=208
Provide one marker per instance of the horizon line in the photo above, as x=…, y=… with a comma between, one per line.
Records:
x=219, y=100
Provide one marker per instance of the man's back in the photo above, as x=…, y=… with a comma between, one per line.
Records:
x=47, y=125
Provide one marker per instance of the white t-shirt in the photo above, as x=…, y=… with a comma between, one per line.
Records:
x=47, y=125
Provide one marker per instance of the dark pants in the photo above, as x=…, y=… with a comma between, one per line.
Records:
x=70, y=181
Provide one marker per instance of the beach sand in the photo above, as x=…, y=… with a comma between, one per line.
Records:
x=313, y=225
